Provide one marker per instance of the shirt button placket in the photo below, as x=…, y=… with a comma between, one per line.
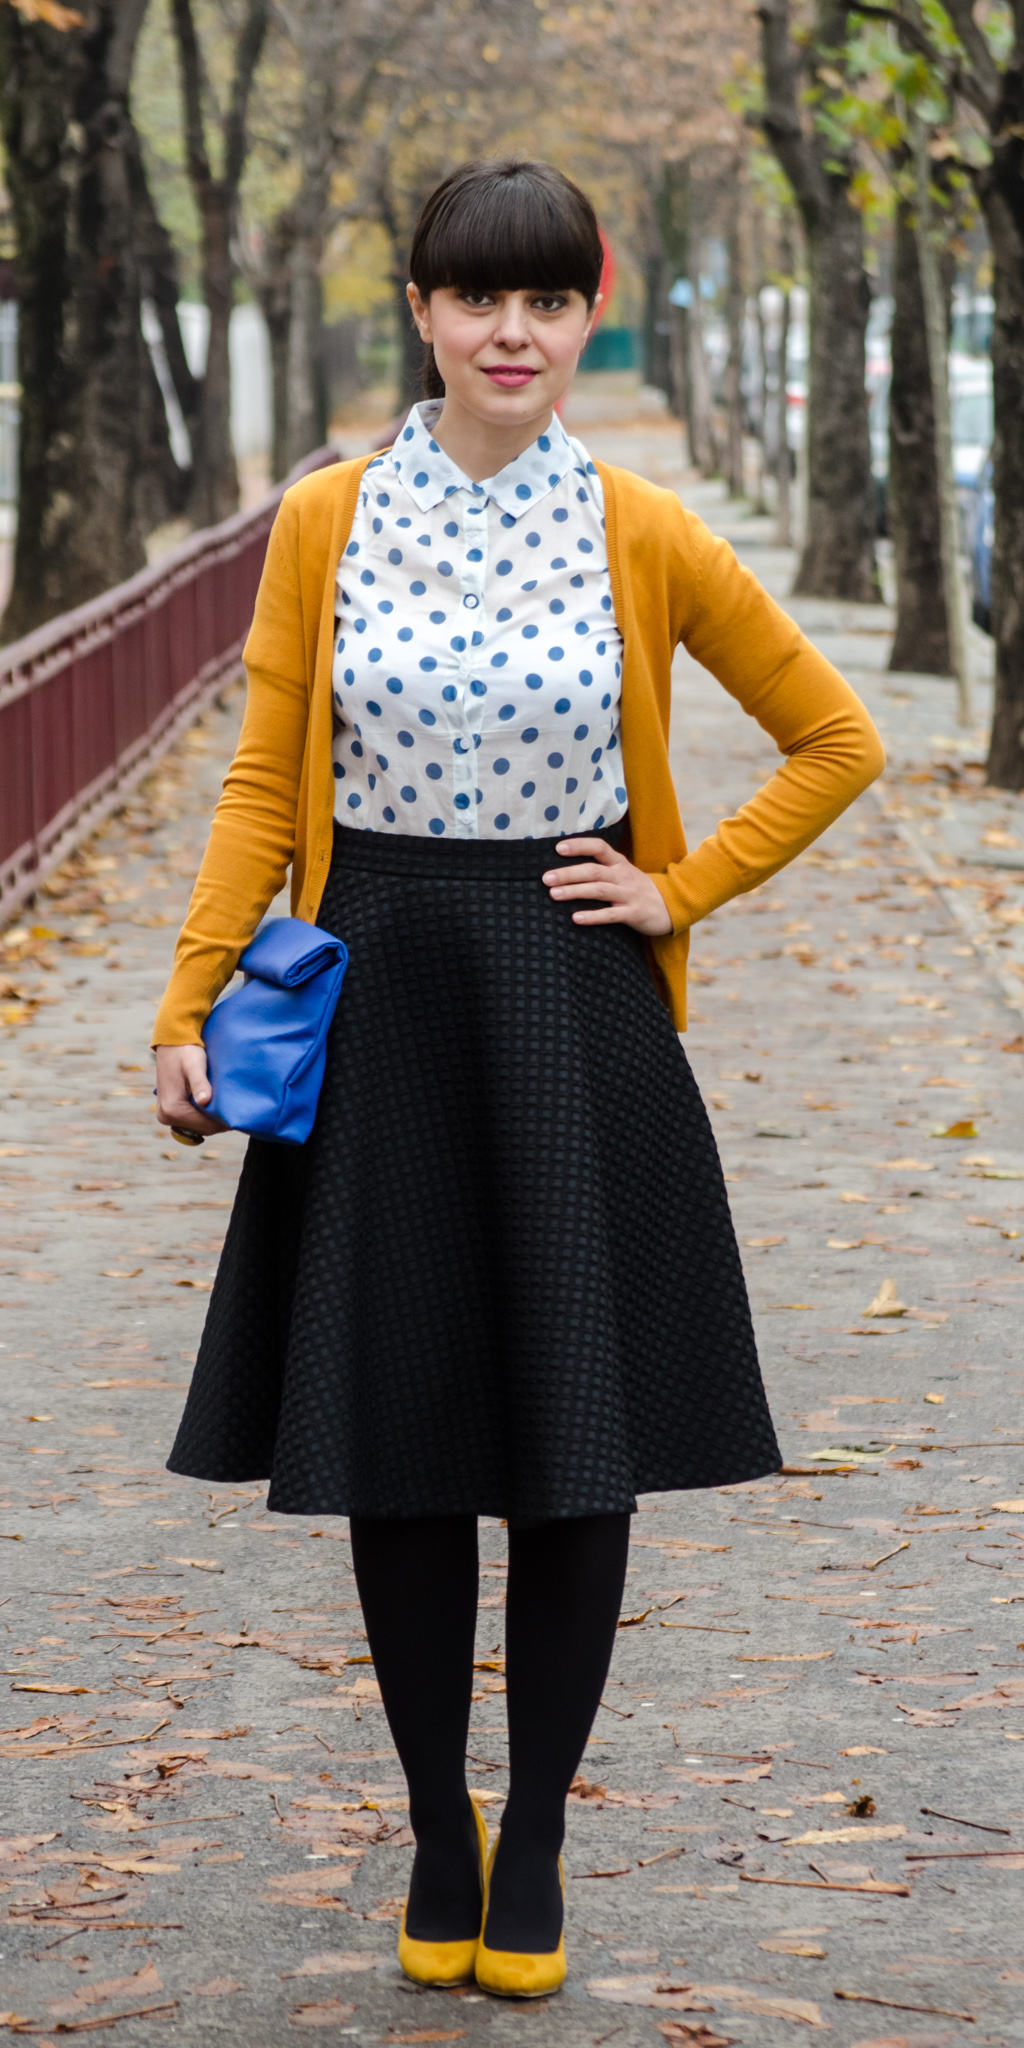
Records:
x=472, y=582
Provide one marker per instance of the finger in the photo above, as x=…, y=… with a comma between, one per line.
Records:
x=195, y=1076
x=616, y=913
x=183, y=1116
x=613, y=892
x=557, y=877
x=598, y=848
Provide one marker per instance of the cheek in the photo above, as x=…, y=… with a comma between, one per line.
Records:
x=561, y=346
x=459, y=341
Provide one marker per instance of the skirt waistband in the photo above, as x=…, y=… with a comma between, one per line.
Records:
x=406, y=853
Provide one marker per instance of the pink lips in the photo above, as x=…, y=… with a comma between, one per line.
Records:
x=509, y=378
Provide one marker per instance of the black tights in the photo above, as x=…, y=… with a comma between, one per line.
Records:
x=417, y=1581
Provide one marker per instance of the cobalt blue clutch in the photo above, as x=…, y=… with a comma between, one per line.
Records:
x=266, y=1045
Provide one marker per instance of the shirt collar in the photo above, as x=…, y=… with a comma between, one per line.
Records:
x=430, y=476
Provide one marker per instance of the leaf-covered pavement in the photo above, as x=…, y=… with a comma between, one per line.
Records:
x=204, y=1832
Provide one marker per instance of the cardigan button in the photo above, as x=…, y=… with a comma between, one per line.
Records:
x=470, y=601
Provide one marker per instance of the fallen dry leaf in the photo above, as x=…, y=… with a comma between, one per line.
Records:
x=791, y=1945
x=652, y=1990
x=886, y=1302
x=141, y=1981
x=330, y=2013
x=1008, y=1507
x=693, y=2033
x=218, y=1987
x=900, y=2005
x=817, y=1837
x=29, y=1685
x=337, y=1962
x=784, y=1657
x=119, y=1273
x=430, y=2034
x=137, y=2012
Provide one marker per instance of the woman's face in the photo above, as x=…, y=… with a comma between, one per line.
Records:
x=507, y=357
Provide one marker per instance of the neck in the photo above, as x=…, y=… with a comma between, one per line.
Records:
x=479, y=447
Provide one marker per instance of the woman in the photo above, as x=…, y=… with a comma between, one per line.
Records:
x=501, y=1278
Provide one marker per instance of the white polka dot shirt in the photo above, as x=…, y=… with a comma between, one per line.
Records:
x=478, y=664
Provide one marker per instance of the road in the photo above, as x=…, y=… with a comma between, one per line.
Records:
x=204, y=1822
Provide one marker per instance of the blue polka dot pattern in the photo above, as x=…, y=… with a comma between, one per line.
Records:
x=476, y=554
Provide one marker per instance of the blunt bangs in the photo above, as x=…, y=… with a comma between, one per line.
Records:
x=507, y=227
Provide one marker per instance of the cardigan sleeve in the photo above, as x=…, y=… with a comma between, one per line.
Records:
x=252, y=837
x=831, y=746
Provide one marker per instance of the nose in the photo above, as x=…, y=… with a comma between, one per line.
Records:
x=512, y=330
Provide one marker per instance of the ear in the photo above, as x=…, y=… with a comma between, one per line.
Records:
x=591, y=317
x=420, y=308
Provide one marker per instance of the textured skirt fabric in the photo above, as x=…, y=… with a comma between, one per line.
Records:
x=501, y=1278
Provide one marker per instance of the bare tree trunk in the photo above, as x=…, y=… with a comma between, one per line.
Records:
x=704, y=449
x=921, y=641
x=88, y=417
x=783, y=456
x=158, y=266
x=214, y=471
x=270, y=276
x=936, y=330
x=838, y=558
x=317, y=31
x=215, y=476
x=735, y=311
x=307, y=421
x=1004, y=216
x=761, y=424
x=672, y=215
x=679, y=365
x=657, y=371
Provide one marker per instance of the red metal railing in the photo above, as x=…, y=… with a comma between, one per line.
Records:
x=89, y=701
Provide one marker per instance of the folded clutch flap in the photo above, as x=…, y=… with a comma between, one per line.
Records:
x=286, y=952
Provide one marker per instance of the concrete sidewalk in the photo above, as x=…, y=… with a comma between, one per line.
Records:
x=201, y=1770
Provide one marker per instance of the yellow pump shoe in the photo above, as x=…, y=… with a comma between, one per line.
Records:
x=508, y=1973
x=444, y=1962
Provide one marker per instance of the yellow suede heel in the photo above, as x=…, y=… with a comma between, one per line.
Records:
x=511, y=1974
x=444, y=1962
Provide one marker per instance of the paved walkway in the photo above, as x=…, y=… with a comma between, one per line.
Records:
x=803, y=1781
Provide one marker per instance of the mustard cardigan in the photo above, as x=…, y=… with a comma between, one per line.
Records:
x=671, y=581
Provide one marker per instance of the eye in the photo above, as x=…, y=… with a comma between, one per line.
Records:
x=477, y=299
x=550, y=302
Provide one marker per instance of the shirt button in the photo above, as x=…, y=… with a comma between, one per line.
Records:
x=470, y=601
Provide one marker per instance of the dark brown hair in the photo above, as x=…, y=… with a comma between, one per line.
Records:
x=508, y=226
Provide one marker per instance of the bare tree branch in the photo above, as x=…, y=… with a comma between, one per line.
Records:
x=247, y=56
x=190, y=68
x=780, y=116
x=984, y=68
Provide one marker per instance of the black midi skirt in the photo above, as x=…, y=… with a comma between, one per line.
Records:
x=501, y=1277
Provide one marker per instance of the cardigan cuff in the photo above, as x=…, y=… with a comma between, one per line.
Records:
x=698, y=884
